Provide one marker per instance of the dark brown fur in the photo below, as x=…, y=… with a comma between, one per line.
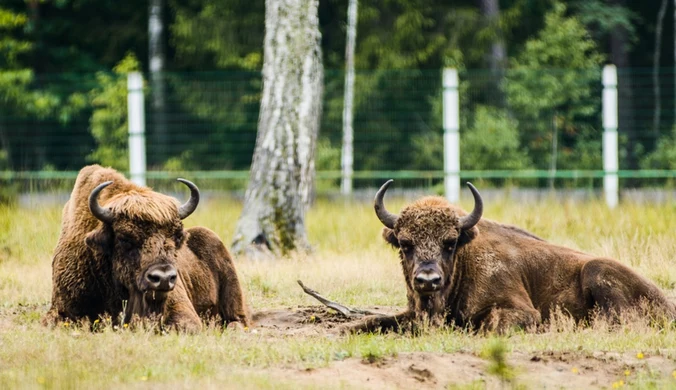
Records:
x=97, y=266
x=502, y=276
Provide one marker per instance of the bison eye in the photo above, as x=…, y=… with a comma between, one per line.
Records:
x=406, y=246
x=126, y=241
x=449, y=245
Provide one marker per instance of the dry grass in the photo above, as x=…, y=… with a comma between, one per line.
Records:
x=350, y=264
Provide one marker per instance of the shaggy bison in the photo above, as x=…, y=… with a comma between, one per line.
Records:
x=122, y=242
x=467, y=271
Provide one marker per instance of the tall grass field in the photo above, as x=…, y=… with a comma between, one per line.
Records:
x=351, y=264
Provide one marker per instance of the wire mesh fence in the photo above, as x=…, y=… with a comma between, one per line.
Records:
x=535, y=128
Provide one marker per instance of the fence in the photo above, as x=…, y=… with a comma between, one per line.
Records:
x=525, y=128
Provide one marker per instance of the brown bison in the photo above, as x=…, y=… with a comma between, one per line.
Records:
x=122, y=242
x=470, y=272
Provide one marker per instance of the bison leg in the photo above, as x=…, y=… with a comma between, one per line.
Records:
x=613, y=288
x=179, y=312
x=231, y=298
x=381, y=323
x=206, y=245
x=503, y=319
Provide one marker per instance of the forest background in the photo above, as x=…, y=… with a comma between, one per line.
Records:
x=530, y=74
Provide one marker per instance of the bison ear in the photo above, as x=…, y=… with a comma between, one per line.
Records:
x=390, y=237
x=468, y=235
x=99, y=240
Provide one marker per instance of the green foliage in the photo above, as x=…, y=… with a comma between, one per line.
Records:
x=602, y=18
x=108, y=123
x=492, y=142
x=401, y=44
x=184, y=162
x=427, y=151
x=551, y=84
x=495, y=352
x=15, y=80
x=328, y=156
x=12, y=48
x=227, y=34
x=664, y=155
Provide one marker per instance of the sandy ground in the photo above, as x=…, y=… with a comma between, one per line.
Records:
x=546, y=370
x=433, y=370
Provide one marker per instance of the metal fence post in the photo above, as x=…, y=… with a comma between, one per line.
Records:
x=136, y=119
x=610, y=159
x=451, y=135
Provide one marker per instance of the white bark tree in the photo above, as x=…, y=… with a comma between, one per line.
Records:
x=497, y=58
x=347, y=152
x=282, y=172
x=156, y=60
x=657, y=94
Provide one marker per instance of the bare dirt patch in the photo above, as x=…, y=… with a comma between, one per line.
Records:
x=548, y=369
x=308, y=320
x=436, y=370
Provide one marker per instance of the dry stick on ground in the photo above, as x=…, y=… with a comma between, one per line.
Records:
x=344, y=310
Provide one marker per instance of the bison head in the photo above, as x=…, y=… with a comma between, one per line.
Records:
x=428, y=233
x=141, y=236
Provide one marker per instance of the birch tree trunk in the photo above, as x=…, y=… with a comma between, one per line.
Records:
x=497, y=58
x=156, y=65
x=347, y=152
x=282, y=171
x=656, y=69
x=620, y=44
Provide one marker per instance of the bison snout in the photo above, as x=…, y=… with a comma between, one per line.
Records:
x=427, y=281
x=161, y=277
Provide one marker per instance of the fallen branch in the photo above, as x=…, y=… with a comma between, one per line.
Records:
x=344, y=310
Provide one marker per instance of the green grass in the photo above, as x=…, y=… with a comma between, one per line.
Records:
x=350, y=264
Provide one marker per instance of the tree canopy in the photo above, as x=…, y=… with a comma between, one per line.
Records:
x=61, y=61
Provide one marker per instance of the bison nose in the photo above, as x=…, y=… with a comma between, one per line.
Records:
x=161, y=277
x=428, y=278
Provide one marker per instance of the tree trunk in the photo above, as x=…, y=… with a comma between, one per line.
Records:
x=490, y=9
x=156, y=60
x=282, y=171
x=619, y=55
x=347, y=153
x=656, y=68
x=555, y=151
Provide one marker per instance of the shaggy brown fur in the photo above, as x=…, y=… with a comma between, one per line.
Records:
x=97, y=265
x=496, y=277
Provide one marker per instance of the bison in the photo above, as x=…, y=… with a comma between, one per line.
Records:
x=462, y=270
x=122, y=242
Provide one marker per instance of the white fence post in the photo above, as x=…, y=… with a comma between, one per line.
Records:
x=451, y=135
x=610, y=159
x=136, y=119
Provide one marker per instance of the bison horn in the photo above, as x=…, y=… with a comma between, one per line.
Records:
x=468, y=221
x=104, y=215
x=388, y=219
x=188, y=207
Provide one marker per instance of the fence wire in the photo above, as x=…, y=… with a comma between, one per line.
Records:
x=522, y=127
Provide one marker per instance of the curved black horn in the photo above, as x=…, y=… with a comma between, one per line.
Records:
x=188, y=207
x=104, y=215
x=468, y=221
x=388, y=219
